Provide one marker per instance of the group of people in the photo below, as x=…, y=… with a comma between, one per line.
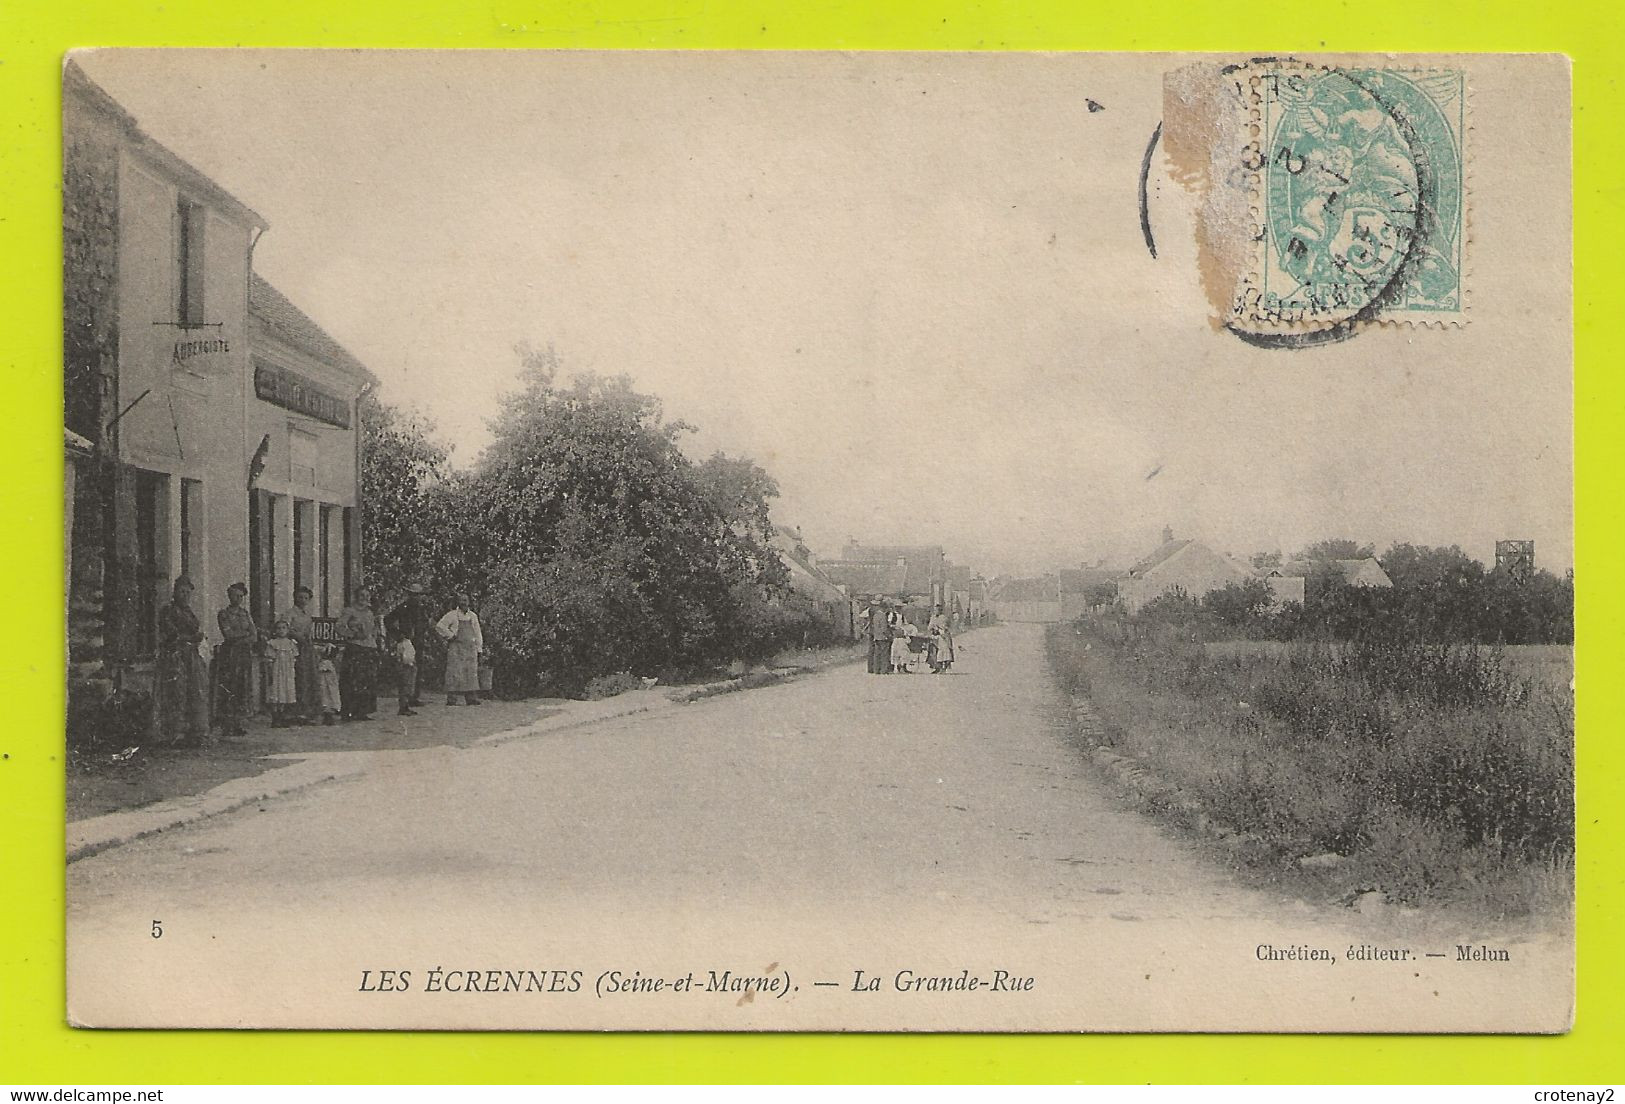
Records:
x=306, y=681
x=895, y=642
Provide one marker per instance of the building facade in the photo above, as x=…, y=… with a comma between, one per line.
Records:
x=214, y=429
x=915, y=573
x=1183, y=566
x=1029, y=600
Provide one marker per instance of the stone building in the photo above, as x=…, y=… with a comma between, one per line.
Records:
x=212, y=426
x=1183, y=566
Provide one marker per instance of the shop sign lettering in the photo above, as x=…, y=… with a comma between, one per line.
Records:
x=294, y=392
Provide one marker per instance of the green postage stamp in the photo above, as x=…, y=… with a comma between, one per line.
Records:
x=1360, y=198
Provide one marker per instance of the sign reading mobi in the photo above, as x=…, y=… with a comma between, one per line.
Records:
x=295, y=392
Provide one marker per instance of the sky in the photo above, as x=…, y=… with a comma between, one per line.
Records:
x=914, y=288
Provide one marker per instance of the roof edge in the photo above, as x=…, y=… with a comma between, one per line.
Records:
x=76, y=82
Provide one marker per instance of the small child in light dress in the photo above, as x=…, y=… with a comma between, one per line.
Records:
x=327, y=673
x=406, y=675
x=282, y=662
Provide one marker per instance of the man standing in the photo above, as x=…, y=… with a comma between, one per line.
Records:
x=460, y=628
x=358, y=631
x=878, y=628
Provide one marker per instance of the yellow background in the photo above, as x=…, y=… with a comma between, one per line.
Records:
x=35, y=1045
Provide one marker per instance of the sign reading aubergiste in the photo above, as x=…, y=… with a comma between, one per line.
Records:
x=295, y=392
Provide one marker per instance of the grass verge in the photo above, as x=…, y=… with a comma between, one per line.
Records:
x=1434, y=774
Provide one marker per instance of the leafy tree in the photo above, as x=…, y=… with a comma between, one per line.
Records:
x=401, y=467
x=599, y=546
x=740, y=491
x=1172, y=607
x=1539, y=610
x=1242, y=605
x=1439, y=590
x=1337, y=548
x=1265, y=562
x=1097, y=595
x=1340, y=611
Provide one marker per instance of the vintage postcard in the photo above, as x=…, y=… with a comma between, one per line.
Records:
x=818, y=541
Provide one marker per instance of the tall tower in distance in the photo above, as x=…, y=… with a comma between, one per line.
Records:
x=1516, y=558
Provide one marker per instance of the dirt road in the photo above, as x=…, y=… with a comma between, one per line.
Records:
x=812, y=838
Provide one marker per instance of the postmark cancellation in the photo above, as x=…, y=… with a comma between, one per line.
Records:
x=1350, y=191
x=1360, y=195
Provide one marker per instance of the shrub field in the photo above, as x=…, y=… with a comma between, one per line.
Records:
x=1434, y=773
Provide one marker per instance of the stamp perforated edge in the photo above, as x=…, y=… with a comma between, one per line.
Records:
x=1248, y=78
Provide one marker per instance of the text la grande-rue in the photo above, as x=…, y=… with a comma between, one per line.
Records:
x=908, y=981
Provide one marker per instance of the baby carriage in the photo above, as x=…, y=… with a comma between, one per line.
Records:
x=919, y=654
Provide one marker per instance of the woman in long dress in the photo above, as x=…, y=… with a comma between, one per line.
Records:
x=460, y=628
x=181, y=713
x=307, y=673
x=942, y=642
x=234, y=662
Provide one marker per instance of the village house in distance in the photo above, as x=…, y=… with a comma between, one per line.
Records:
x=913, y=575
x=211, y=426
x=1176, y=565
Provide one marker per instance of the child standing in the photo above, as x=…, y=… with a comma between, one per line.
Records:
x=282, y=660
x=327, y=673
x=406, y=674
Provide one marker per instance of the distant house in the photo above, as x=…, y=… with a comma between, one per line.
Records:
x=1360, y=572
x=861, y=579
x=915, y=573
x=968, y=594
x=1083, y=589
x=1033, y=600
x=811, y=587
x=1284, y=588
x=1187, y=566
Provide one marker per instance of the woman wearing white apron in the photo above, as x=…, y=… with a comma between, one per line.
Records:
x=461, y=630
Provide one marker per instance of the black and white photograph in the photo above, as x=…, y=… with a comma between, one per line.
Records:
x=774, y=541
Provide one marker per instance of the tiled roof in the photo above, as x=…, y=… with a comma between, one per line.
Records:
x=1075, y=580
x=1160, y=556
x=867, y=577
x=925, y=562
x=1303, y=568
x=297, y=328
x=803, y=575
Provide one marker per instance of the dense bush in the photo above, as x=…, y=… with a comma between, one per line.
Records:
x=590, y=543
